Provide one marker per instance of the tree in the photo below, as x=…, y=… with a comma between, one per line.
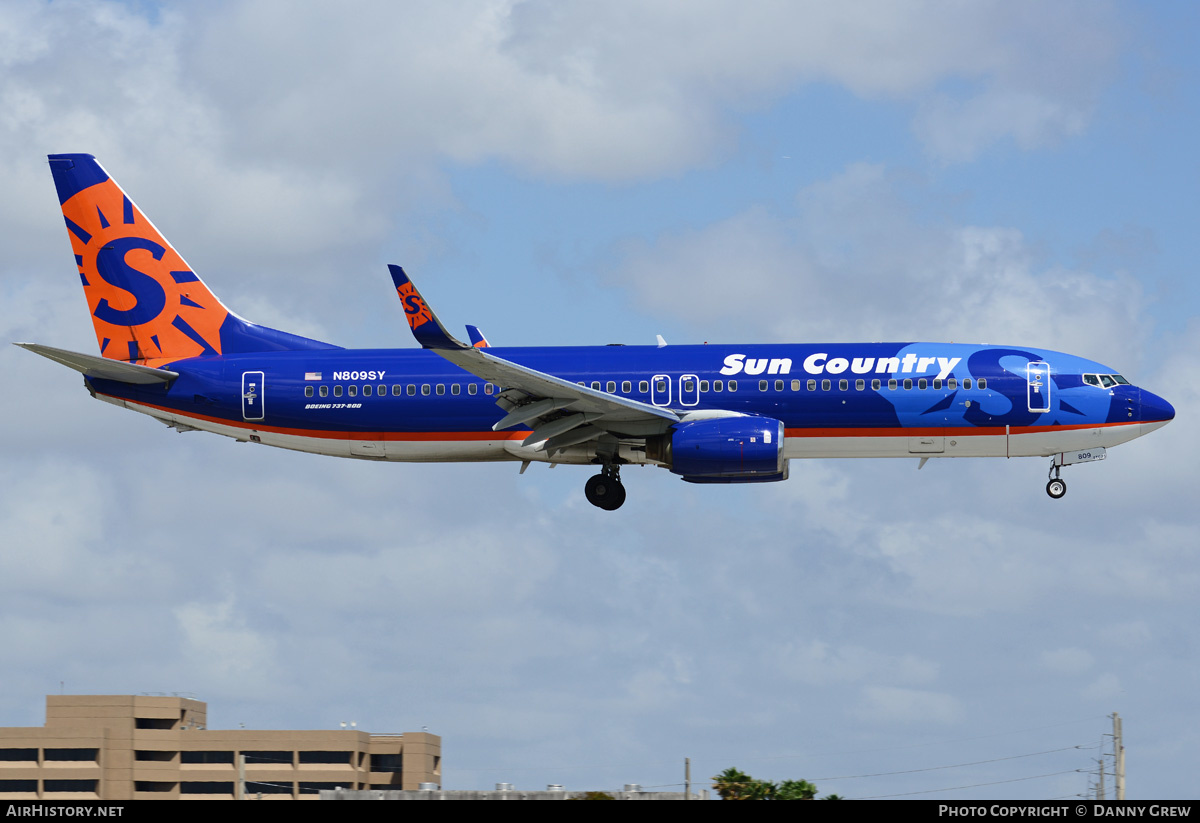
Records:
x=734, y=784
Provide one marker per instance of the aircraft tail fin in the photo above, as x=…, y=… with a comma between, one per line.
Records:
x=147, y=304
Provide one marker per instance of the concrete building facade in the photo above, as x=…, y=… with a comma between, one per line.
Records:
x=132, y=747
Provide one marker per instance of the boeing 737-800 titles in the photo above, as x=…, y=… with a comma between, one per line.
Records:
x=711, y=414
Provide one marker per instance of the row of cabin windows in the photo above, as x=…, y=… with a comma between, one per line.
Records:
x=893, y=384
x=660, y=386
x=689, y=385
x=399, y=389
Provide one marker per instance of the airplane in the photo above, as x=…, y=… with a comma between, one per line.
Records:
x=711, y=414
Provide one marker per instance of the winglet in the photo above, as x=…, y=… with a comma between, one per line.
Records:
x=477, y=338
x=428, y=330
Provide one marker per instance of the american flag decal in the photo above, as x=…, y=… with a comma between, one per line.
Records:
x=312, y=375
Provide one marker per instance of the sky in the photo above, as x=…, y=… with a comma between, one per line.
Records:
x=572, y=173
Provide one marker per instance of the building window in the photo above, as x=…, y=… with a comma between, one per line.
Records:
x=84, y=755
x=154, y=756
x=205, y=787
x=152, y=786
x=268, y=758
x=18, y=786
x=341, y=758
x=69, y=786
x=18, y=755
x=206, y=757
x=253, y=787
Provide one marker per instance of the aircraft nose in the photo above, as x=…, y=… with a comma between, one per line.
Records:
x=1154, y=409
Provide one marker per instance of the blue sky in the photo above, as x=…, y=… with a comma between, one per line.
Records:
x=574, y=173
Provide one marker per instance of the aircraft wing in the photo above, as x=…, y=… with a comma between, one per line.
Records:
x=561, y=413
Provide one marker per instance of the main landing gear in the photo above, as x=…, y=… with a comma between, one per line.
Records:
x=605, y=490
x=1057, y=487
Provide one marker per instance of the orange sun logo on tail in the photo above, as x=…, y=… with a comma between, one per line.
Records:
x=415, y=309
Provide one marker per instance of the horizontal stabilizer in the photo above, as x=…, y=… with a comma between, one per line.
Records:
x=102, y=367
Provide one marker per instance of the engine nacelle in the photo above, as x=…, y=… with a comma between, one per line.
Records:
x=727, y=449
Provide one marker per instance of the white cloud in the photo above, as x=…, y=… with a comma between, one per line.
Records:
x=891, y=704
x=804, y=278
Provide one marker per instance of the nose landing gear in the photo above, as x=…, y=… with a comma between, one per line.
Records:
x=605, y=490
x=1057, y=487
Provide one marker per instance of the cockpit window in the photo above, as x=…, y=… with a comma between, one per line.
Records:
x=1107, y=381
x=1120, y=380
x=1092, y=380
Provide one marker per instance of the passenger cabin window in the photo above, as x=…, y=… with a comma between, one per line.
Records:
x=875, y=384
x=324, y=391
x=337, y=391
x=366, y=391
x=966, y=383
x=643, y=386
x=718, y=385
x=660, y=385
x=843, y=385
x=778, y=385
x=472, y=388
x=412, y=389
x=596, y=385
x=733, y=385
x=762, y=385
x=382, y=390
x=952, y=383
x=825, y=384
x=703, y=385
x=455, y=389
x=308, y=391
x=983, y=382
x=907, y=383
x=859, y=385
x=689, y=385
x=440, y=388
x=812, y=385
x=626, y=387
x=610, y=386
x=922, y=384
x=425, y=389
x=488, y=388
x=352, y=391
x=397, y=390
x=937, y=384
x=795, y=385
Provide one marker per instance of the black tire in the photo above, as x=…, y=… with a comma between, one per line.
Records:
x=604, y=492
x=1056, y=488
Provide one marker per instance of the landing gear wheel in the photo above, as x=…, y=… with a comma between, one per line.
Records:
x=1056, y=488
x=605, y=491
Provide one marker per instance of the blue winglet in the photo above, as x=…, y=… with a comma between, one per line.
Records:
x=476, y=336
x=426, y=328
